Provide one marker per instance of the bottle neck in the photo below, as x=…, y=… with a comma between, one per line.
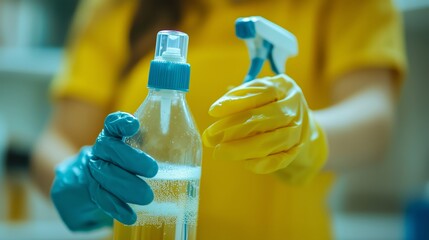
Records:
x=172, y=94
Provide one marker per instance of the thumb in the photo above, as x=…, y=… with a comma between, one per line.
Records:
x=120, y=124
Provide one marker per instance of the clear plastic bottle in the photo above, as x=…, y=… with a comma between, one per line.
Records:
x=168, y=133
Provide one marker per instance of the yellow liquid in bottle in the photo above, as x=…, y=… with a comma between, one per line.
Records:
x=153, y=232
x=173, y=213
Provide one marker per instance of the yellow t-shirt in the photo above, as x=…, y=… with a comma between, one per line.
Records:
x=334, y=37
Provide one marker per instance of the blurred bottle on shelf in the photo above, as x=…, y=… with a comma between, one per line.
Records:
x=417, y=216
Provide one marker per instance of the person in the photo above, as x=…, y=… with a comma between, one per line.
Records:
x=265, y=179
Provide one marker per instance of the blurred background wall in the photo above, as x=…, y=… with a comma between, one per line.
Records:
x=32, y=36
x=370, y=202
x=386, y=185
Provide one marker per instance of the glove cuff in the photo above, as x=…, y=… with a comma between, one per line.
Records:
x=71, y=197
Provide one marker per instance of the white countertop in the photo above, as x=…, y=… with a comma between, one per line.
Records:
x=46, y=230
x=368, y=226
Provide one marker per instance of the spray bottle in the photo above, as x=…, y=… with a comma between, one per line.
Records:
x=169, y=134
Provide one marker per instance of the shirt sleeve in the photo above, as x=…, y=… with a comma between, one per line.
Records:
x=363, y=34
x=96, y=53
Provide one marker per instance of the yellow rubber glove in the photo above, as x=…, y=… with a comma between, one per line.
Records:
x=267, y=124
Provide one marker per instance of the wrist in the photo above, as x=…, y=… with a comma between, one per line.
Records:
x=312, y=157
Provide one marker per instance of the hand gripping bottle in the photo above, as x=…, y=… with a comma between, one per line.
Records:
x=168, y=133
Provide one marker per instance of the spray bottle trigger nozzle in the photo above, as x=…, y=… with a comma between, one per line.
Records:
x=265, y=40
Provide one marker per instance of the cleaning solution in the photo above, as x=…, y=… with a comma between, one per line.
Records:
x=169, y=134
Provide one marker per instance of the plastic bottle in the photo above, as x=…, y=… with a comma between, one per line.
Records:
x=169, y=134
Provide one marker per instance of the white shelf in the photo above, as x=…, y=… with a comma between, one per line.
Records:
x=34, y=61
x=406, y=5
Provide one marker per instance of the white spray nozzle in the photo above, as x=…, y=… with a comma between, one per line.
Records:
x=265, y=40
x=171, y=46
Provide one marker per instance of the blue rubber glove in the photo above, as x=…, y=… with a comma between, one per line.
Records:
x=95, y=186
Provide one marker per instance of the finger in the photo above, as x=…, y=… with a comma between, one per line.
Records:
x=120, y=124
x=131, y=159
x=250, y=95
x=260, y=145
x=249, y=123
x=124, y=185
x=273, y=162
x=112, y=205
